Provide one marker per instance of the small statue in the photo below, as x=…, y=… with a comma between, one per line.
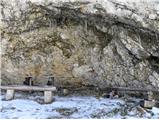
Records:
x=28, y=80
x=50, y=81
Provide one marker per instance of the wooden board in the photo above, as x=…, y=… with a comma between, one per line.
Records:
x=131, y=89
x=28, y=88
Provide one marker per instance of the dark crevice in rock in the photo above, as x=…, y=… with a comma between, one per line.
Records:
x=154, y=61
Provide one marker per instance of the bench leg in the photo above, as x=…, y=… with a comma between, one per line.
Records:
x=47, y=96
x=10, y=94
x=150, y=95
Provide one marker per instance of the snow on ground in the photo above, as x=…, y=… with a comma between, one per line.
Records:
x=68, y=107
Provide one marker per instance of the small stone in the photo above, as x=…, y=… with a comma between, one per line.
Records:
x=66, y=111
x=147, y=103
x=19, y=110
x=15, y=118
x=65, y=91
x=116, y=96
x=152, y=16
x=37, y=109
x=104, y=95
x=39, y=100
x=13, y=108
x=140, y=109
x=113, y=94
x=113, y=112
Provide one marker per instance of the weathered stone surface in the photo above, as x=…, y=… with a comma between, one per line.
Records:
x=9, y=94
x=103, y=43
x=48, y=96
x=148, y=104
x=65, y=91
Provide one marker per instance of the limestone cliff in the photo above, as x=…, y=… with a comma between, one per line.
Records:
x=81, y=42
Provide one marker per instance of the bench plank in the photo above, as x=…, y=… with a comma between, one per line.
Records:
x=131, y=89
x=28, y=88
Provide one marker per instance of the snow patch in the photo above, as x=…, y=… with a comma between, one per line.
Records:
x=86, y=107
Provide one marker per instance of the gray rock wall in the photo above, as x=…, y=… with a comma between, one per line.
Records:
x=103, y=43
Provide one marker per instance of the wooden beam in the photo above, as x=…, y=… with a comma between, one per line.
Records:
x=131, y=89
x=28, y=88
x=114, y=88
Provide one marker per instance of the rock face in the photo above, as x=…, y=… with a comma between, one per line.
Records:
x=101, y=43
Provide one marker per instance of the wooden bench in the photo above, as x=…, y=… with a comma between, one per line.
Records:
x=47, y=91
x=132, y=89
